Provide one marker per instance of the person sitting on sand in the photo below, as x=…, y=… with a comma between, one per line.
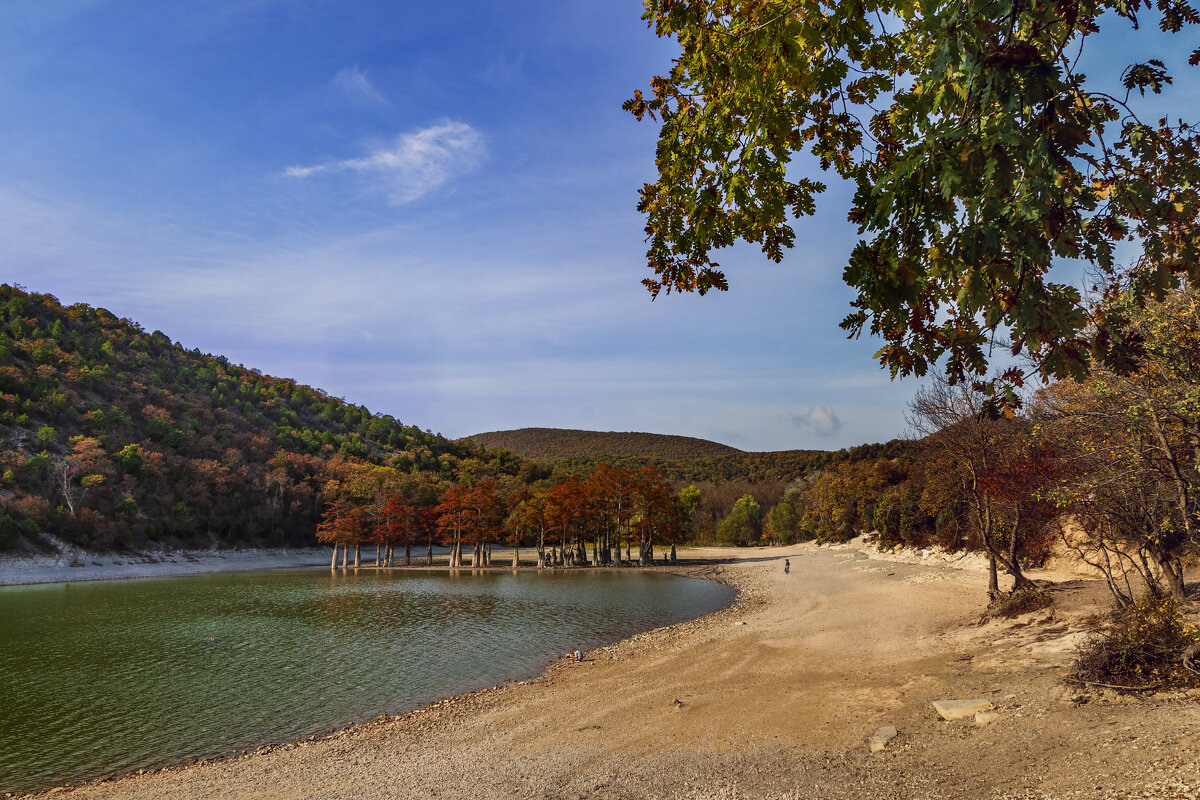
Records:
x=574, y=655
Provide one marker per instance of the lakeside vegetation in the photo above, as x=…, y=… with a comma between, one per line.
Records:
x=119, y=439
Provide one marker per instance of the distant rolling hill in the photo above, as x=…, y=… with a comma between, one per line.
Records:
x=682, y=458
x=555, y=444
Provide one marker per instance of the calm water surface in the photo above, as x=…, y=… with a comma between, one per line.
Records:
x=97, y=678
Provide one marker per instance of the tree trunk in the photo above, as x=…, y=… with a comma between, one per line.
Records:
x=356, y=557
x=430, y=556
x=1171, y=571
x=377, y=551
x=333, y=561
x=345, y=555
x=672, y=554
x=1020, y=582
x=993, y=578
x=516, y=557
x=407, y=554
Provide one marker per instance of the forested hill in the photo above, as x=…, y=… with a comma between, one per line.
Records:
x=555, y=444
x=114, y=437
x=680, y=458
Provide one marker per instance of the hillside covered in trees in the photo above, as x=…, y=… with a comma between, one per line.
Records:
x=553, y=444
x=114, y=437
x=681, y=458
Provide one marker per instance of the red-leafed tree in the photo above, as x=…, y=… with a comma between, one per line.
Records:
x=343, y=524
x=658, y=516
x=483, y=520
x=452, y=513
x=396, y=522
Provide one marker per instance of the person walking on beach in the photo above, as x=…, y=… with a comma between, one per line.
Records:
x=787, y=566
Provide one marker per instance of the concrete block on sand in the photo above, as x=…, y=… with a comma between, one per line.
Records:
x=958, y=709
x=881, y=738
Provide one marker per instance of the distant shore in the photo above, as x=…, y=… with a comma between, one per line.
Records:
x=76, y=566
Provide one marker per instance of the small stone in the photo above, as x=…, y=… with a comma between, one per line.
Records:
x=985, y=717
x=959, y=709
x=880, y=740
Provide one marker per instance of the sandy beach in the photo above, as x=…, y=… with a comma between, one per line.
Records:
x=774, y=697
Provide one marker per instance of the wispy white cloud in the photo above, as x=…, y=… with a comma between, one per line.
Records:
x=823, y=420
x=416, y=164
x=504, y=70
x=354, y=84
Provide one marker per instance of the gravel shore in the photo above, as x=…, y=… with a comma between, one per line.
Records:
x=76, y=565
x=774, y=697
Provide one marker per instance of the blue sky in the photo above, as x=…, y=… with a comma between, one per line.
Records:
x=425, y=208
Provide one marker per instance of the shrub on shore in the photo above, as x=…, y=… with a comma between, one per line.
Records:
x=1147, y=645
x=1021, y=601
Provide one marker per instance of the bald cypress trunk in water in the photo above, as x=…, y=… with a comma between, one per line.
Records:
x=516, y=557
x=333, y=561
x=345, y=555
x=431, y=549
x=356, y=557
x=407, y=554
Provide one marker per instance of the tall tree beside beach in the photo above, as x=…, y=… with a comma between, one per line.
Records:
x=1129, y=442
x=945, y=118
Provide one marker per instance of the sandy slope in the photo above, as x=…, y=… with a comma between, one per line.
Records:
x=775, y=697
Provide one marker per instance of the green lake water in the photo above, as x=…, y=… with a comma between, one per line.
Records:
x=108, y=677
